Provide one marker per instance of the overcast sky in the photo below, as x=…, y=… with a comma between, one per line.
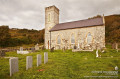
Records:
x=30, y=14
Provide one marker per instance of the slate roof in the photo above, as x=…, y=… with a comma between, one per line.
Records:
x=78, y=24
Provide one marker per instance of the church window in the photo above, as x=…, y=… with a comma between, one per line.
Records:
x=89, y=38
x=72, y=38
x=58, y=39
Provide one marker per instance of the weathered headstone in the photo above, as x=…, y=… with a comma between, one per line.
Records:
x=45, y=57
x=13, y=62
x=115, y=46
x=36, y=47
x=116, y=68
x=2, y=53
x=28, y=62
x=52, y=49
x=21, y=48
x=33, y=49
x=43, y=48
x=39, y=59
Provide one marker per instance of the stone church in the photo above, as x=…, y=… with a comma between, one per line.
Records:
x=83, y=34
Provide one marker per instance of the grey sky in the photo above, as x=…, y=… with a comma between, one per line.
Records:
x=31, y=14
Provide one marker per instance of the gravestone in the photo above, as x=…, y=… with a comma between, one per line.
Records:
x=45, y=57
x=115, y=46
x=21, y=48
x=39, y=59
x=33, y=49
x=2, y=53
x=28, y=62
x=36, y=47
x=116, y=68
x=43, y=48
x=52, y=49
x=13, y=62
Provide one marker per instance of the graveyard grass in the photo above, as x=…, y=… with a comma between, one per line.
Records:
x=62, y=65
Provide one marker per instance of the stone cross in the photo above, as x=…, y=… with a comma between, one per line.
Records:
x=39, y=59
x=97, y=53
x=28, y=62
x=13, y=62
x=45, y=57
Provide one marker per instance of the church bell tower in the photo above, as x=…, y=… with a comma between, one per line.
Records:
x=51, y=19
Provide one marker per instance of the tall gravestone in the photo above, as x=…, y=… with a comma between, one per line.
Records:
x=45, y=57
x=13, y=62
x=28, y=62
x=39, y=59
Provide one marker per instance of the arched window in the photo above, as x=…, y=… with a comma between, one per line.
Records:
x=58, y=39
x=72, y=38
x=89, y=38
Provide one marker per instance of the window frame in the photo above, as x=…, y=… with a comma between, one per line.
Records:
x=71, y=38
x=90, y=38
x=57, y=40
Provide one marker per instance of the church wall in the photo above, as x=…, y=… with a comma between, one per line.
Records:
x=97, y=32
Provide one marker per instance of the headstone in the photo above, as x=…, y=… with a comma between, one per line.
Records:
x=116, y=68
x=39, y=59
x=52, y=49
x=75, y=47
x=45, y=57
x=115, y=46
x=33, y=49
x=2, y=53
x=13, y=62
x=97, y=53
x=36, y=47
x=43, y=48
x=28, y=62
x=21, y=48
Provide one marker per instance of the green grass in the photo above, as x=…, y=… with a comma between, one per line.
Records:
x=63, y=65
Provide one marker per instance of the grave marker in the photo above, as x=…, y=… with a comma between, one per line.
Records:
x=21, y=48
x=13, y=62
x=45, y=57
x=36, y=47
x=28, y=62
x=39, y=59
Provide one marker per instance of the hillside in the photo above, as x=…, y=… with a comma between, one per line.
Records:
x=112, y=28
x=27, y=36
x=17, y=37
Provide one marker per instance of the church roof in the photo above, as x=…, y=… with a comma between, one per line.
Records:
x=78, y=24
